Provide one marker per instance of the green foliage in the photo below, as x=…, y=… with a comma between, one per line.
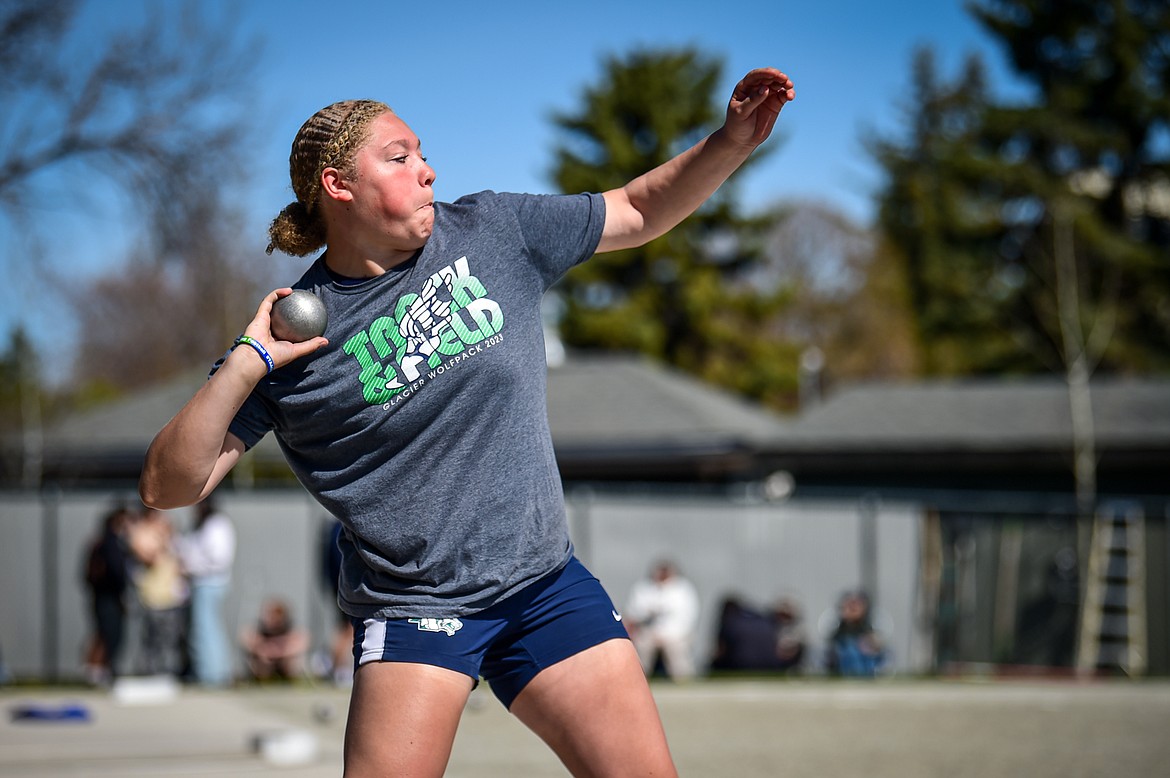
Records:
x=22, y=404
x=978, y=190
x=680, y=298
x=19, y=374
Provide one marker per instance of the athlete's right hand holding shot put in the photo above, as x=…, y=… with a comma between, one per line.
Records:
x=421, y=424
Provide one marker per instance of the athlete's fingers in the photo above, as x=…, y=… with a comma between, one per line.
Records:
x=769, y=77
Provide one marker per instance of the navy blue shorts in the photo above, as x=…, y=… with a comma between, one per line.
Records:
x=507, y=644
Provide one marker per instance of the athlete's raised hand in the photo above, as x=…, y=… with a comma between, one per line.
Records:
x=755, y=105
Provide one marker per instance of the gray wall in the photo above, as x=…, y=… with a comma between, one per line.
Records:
x=808, y=551
x=44, y=615
x=805, y=550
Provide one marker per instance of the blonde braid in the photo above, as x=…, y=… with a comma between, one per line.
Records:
x=330, y=138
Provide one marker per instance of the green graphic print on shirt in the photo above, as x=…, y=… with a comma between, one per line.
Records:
x=451, y=313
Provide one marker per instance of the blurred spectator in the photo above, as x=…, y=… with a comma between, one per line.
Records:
x=162, y=592
x=745, y=640
x=1046, y=629
x=274, y=648
x=106, y=576
x=790, y=637
x=661, y=618
x=855, y=647
x=207, y=553
x=748, y=639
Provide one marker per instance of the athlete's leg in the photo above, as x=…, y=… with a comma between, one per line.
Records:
x=596, y=712
x=402, y=719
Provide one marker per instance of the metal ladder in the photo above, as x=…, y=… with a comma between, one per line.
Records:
x=1113, y=616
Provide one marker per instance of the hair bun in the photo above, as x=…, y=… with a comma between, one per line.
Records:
x=294, y=231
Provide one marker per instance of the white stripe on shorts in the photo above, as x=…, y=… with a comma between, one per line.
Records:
x=374, y=641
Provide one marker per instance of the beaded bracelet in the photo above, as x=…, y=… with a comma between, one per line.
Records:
x=263, y=352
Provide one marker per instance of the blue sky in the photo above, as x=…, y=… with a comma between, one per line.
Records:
x=478, y=82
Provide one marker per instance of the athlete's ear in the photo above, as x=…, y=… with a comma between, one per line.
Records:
x=334, y=185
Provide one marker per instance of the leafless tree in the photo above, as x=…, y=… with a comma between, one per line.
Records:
x=150, y=110
x=147, y=109
x=151, y=320
x=848, y=310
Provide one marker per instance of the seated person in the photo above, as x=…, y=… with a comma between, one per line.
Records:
x=274, y=648
x=855, y=647
x=746, y=639
x=790, y=636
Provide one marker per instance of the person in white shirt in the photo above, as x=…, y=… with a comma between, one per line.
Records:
x=661, y=617
x=207, y=553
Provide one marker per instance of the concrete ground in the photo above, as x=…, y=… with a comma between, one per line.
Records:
x=896, y=728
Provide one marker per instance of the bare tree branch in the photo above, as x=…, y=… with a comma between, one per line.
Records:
x=148, y=113
x=145, y=109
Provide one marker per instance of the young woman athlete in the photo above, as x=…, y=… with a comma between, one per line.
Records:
x=420, y=423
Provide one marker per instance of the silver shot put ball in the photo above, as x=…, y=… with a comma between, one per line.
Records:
x=299, y=316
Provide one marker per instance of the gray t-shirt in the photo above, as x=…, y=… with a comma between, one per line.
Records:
x=423, y=425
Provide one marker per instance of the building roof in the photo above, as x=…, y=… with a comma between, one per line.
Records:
x=624, y=400
x=999, y=414
x=614, y=417
x=988, y=435
x=627, y=418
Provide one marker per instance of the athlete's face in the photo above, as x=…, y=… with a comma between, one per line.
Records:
x=391, y=188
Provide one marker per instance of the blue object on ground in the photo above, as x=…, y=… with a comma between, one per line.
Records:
x=68, y=712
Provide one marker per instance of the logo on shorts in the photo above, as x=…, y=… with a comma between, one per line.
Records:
x=450, y=626
x=616, y=616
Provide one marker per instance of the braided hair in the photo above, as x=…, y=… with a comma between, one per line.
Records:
x=330, y=138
